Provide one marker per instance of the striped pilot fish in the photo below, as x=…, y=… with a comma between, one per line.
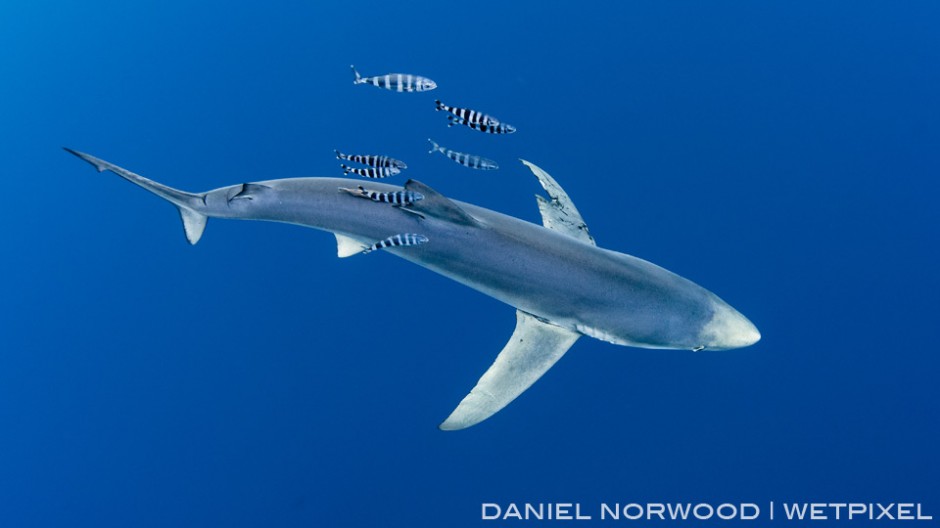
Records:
x=371, y=172
x=398, y=198
x=397, y=82
x=501, y=128
x=408, y=239
x=475, y=120
x=467, y=160
x=371, y=160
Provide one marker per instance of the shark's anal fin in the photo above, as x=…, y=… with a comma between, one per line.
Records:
x=437, y=205
x=559, y=213
x=533, y=348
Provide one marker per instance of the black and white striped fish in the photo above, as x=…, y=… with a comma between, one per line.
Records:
x=395, y=198
x=499, y=128
x=371, y=160
x=371, y=172
x=397, y=82
x=467, y=160
x=475, y=120
x=465, y=114
x=407, y=239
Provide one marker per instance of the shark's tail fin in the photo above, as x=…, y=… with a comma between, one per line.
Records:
x=190, y=205
x=358, y=79
x=194, y=224
x=434, y=147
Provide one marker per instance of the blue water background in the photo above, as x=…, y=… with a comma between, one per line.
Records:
x=782, y=154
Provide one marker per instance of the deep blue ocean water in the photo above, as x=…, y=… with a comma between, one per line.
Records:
x=782, y=154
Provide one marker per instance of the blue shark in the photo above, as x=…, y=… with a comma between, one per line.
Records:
x=561, y=284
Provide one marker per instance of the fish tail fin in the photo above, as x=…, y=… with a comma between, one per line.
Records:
x=355, y=192
x=191, y=206
x=434, y=147
x=356, y=73
x=346, y=170
x=339, y=155
x=440, y=105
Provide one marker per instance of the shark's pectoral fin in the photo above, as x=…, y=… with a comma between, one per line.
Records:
x=535, y=345
x=533, y=348
x=559, y=213
x=437, y=205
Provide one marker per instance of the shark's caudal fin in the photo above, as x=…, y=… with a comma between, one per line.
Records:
x=533, y=348
x=189, y=205
x=193, y=224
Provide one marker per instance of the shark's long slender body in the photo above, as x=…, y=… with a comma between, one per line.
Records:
x=562, y=285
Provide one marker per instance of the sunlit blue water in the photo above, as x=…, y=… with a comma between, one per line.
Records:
x=783, y=155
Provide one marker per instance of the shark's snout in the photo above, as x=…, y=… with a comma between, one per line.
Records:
x=728, y=329
x=742, y=333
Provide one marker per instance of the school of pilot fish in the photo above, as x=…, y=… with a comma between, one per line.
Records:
x=379, y=166
x=376, y=166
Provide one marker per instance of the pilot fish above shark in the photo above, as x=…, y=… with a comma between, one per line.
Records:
x=562, y=285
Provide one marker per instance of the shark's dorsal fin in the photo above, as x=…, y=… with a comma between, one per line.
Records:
x=437, y=205
x=534, y=347
x=559, y=213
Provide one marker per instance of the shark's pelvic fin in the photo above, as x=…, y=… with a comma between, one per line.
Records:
x=559, y=213
x=437, y=205
x=194, y=222
x=347, y=246
x=533, y=348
